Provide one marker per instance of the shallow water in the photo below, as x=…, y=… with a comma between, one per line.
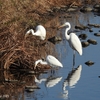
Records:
x=84, y=83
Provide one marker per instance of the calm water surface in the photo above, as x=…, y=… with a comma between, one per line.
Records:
x=85, y=83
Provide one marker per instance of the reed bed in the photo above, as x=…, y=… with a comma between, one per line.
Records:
x=16, y=17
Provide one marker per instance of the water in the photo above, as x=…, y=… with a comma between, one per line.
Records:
x=85, y=82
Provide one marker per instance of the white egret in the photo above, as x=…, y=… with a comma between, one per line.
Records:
x=40, y=31
x=73, y=40
x=50, y=60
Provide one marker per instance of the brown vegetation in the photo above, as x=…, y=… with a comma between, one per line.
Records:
x=16, y=51
x=16, y=16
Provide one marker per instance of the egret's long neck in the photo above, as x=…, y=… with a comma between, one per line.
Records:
x=41, y=62
x=66, y=32
x=37, y=33
x=32, y=31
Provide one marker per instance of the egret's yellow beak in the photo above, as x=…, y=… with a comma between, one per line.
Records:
x=35, y=66
x=27, y=33
x=61, y=26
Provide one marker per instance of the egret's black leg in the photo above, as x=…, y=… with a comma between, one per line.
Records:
x=74, y=59
x=52, y=71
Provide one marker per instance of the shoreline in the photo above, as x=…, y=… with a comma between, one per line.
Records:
x=16, y=51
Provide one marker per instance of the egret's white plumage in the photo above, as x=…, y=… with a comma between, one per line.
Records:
x=73, y=39
x=51, y=60
x=40, y=31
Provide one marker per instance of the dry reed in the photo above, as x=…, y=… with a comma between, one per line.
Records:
x=16, y=16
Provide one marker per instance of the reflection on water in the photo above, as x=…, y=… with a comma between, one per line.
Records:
x=13, y=84
x=73, y=77
x=71, y=80
x=50, y=81
x=39, y=80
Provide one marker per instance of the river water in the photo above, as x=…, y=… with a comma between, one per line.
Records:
x=81, y=84
x=69, y=83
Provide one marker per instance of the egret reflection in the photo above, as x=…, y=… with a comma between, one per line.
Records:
x=73, y=77
x=50, y=81
x=39, y=80
x=71, y=80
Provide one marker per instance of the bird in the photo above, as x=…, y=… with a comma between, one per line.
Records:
x=50, y=60
x=40, y=31
x=73, y=39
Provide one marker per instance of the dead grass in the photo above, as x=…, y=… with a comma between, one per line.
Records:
x=16, y=16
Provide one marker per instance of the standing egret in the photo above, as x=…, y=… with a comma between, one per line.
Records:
x=40, y=31
x=50, y=60
x=71, y=80
x=73, y=40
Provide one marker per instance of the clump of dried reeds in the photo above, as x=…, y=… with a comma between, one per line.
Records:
x=15, y=50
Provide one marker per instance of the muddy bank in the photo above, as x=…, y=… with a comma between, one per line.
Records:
x=17, y=17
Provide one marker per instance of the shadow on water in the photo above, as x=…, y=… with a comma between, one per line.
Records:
x=21, y=85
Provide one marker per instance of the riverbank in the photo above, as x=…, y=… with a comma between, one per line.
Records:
x=17, y=17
